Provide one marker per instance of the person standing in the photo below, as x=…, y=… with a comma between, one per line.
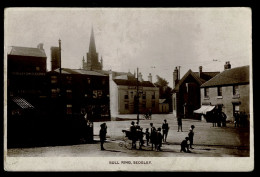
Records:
x=179, y=119
x=150, y=113
x=165, y=128
x=223, y=117
x=236, y=116
x=191, y=135
x=159, y=138
x=133, y=134
x=153, y=135
x=102, y=136
x=214, y=118
x=147, y=136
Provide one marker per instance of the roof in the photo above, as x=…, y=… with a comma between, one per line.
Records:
x=239, y=75
x=26, y=51
x=200, y=79
x=116, y=73
x=22, y=103
x=133, y=83
x=78, y=71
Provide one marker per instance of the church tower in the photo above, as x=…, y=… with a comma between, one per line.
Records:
x=92, y=56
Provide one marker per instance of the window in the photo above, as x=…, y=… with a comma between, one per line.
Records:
x=235, y=90
x=69, y=109
x=37, y=68
x=54, y=93
x=132, y=94
x=144, y=96
x=126, y=106
x=206, y=92
x=219, y=91
x=69, y=93
x=153, y=95
x=54, y=79
x=144, y=104
x=69, y=79
x=126, y=94
x=153, y=104
x=88, y=80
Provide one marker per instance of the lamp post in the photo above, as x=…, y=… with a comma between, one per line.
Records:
x=137, y=96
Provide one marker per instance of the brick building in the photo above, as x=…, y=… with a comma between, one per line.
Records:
x=186, y=92
x=229, y=91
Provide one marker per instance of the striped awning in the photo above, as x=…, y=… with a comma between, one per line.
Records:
x=21, y=102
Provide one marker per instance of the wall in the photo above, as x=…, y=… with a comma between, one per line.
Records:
x=227, y=99
x=130, y=101
x=113, y=88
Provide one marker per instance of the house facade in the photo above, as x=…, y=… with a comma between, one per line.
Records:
x=186, y=92
x=228, y=91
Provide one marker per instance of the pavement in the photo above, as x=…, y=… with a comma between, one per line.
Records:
x=208, y=141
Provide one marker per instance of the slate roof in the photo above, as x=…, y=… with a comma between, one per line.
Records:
x=133, y=83
x=26, y=51
x=204, y=77
x=78, y=71
x=239, y=75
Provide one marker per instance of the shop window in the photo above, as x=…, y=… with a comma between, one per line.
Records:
x=54, y=93
x=153, y=104
x=206, y=92
x=54, y=79
x=219, y=91
x=153, y=95
x=69, y=93
x=126, y=94
x=69, y=108
x=69, y=79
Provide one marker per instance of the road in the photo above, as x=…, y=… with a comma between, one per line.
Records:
x=208, y=141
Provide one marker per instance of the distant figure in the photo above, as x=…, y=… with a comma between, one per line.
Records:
x=191, y=135
x=150, y=113
x=159, y=138
x=133, y=134
x=147, y=136
x=243, y=119
x=165, y=128
x=179, y=119
x=102, y=136
x=223, y=118
x=236, y=116
x=184, y=145
x=214, y=118
x=153, y=135
x=219, y=118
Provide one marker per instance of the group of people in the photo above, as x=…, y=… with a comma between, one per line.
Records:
x=218, y=118
x=240, y=119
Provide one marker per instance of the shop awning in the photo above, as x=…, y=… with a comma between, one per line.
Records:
x=204, y=109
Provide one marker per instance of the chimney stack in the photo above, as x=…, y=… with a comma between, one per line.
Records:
x=140, y=77
x=227, y=65
x=150, y=78
x=40, y=46
x=175, y=77
x=200, y=71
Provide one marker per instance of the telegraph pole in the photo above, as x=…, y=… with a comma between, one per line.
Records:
x=137, y=97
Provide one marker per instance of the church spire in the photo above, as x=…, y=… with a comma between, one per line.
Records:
x=92, y=45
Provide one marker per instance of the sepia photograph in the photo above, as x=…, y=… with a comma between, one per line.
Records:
x=128, y=89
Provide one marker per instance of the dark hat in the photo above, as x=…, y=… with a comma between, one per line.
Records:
x=187, y=138
x=192, y=126
x=151, y=123
x=159, y=129
x=165, y=120
x=132, y=122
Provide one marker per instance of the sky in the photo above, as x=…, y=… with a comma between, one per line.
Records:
x=155, y=40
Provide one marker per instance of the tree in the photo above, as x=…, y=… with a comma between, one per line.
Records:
x=165, y=92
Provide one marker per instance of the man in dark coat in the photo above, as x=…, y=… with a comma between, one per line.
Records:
x=179, y=119
x=102, y=135
x=133, y=134
x=223, y=117
x=184, y=145
x=153, y=136
x=191, y=135
x=165, y=128
x=159, y=138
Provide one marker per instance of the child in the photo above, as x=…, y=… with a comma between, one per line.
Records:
x=147, y=136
